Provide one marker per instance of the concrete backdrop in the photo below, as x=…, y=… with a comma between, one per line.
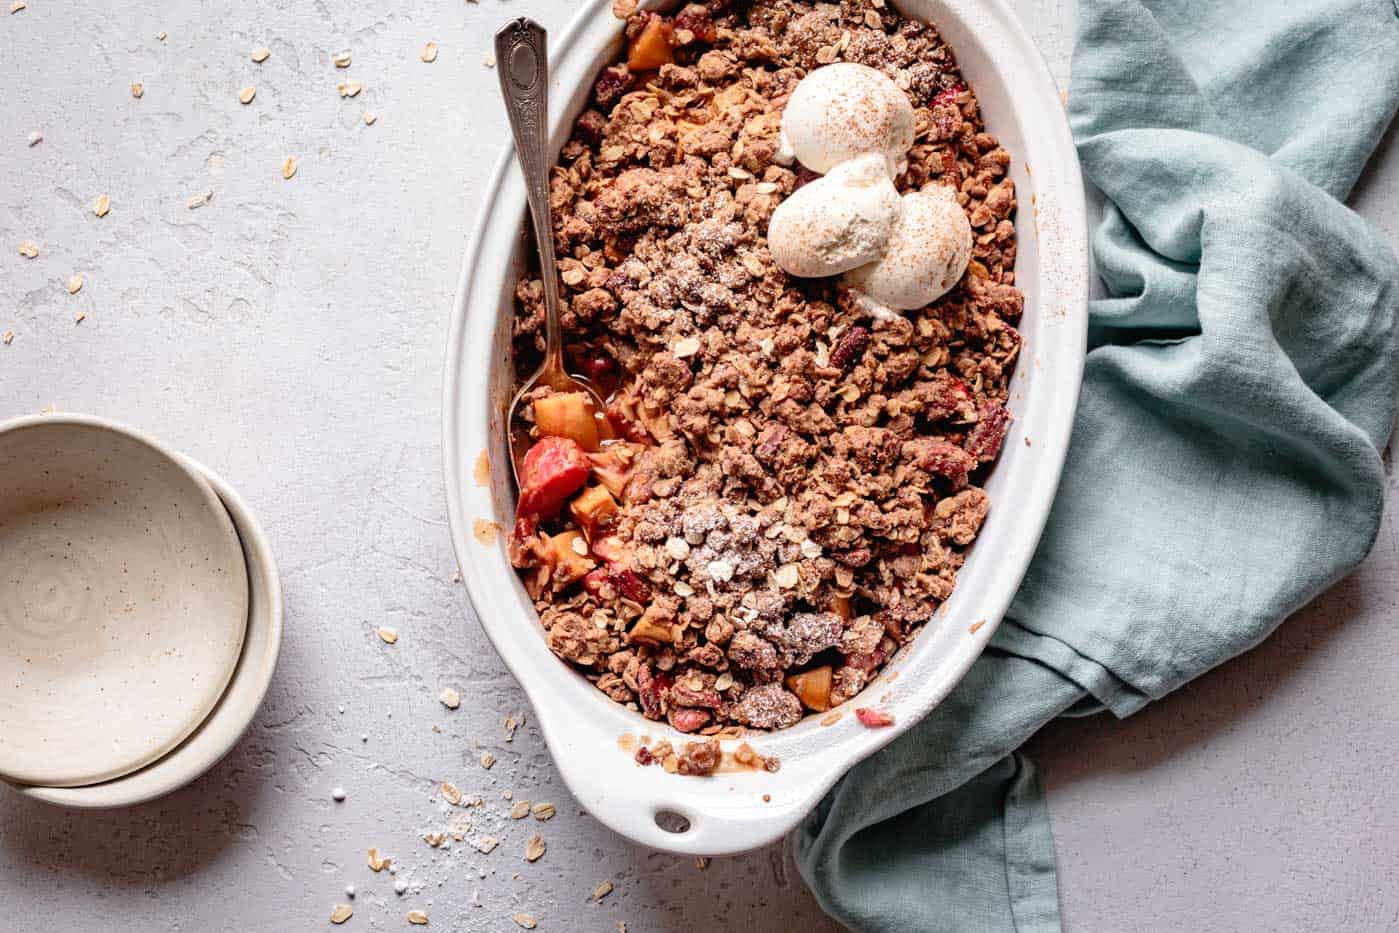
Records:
x=289, y=334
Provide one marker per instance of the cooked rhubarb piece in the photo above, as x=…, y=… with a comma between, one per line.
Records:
x=687, y=720
x=697, y=20
x=594, y=510
x=522, y=541
x=567, y=414
x=652, y=688
x=554, y=469
x=651, y=49
x=622, y=413
x=569, y=555
x=813, y=688
x=873, y=718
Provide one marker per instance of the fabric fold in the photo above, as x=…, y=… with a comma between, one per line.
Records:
x=1226, y=460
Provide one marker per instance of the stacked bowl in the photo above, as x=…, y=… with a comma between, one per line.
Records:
x=140, y=613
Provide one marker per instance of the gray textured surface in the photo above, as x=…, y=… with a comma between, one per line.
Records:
x=289, y=335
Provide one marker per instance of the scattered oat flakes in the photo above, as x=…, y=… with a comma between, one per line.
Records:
x=489, y=60
x=417, y=918
x=686, y=346
x=79, y=317
x=623, y=8
x=429, y=52
x=520, y=810
x=701, y=862
x=9, y=338
x=350, y=88
x=341, y=60
x=434, y=839
x=28, y=249
x=487, y=759
x=35, y=137
x=199, y=200
x=786, y=576
x=289, y=167
x=341, y=913
x=102, y=205
x=378, y=863
x=603, y=889
x=246, y=95
x=525, y=921
x=75, y=284
x=450, y=793
x=486, y=844
x=138, y=90
x=369, y=118
x=388, y=635
x=534, y=849
x=160, y=36
x=976, y=625
x=511, y=724
x=450, y=698
x=17, y=5
x=261, y=55
x=543, y=811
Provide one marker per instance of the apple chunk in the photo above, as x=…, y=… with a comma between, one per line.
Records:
x=651, y=48
x=813, y=688
x=570, y=415
x=651, y=630
x=570, y=556
x=594, y=510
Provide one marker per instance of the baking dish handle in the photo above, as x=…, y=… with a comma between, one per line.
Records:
x=724, y=814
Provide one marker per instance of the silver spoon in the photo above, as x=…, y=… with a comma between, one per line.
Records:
x=523, y=64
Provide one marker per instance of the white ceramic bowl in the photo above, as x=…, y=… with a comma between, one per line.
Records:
x=123, y=600
x=731, y=812
x=217, y=735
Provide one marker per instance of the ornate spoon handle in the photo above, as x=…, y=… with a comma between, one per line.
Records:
x=522, y=61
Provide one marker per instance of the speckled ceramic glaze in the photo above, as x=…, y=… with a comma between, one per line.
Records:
x=240, y=701
x=123, y=600
x=734, y=811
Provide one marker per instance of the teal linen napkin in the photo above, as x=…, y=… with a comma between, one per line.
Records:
x=1225, y=466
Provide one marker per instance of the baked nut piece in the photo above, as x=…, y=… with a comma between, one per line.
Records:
x=785, y=485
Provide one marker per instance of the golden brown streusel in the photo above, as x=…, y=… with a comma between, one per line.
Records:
x=795, y=483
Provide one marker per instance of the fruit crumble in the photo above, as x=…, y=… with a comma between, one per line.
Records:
x=783, y=485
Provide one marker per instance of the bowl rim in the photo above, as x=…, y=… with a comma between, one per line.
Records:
x=731, y=817
x=231, y=716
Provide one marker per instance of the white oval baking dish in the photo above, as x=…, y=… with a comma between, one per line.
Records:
x=732, y=812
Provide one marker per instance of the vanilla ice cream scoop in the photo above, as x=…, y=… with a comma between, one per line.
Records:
x=843, y=110
x=837, y=222
x=927, y=252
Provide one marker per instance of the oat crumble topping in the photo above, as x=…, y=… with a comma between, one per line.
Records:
x=792, y=485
